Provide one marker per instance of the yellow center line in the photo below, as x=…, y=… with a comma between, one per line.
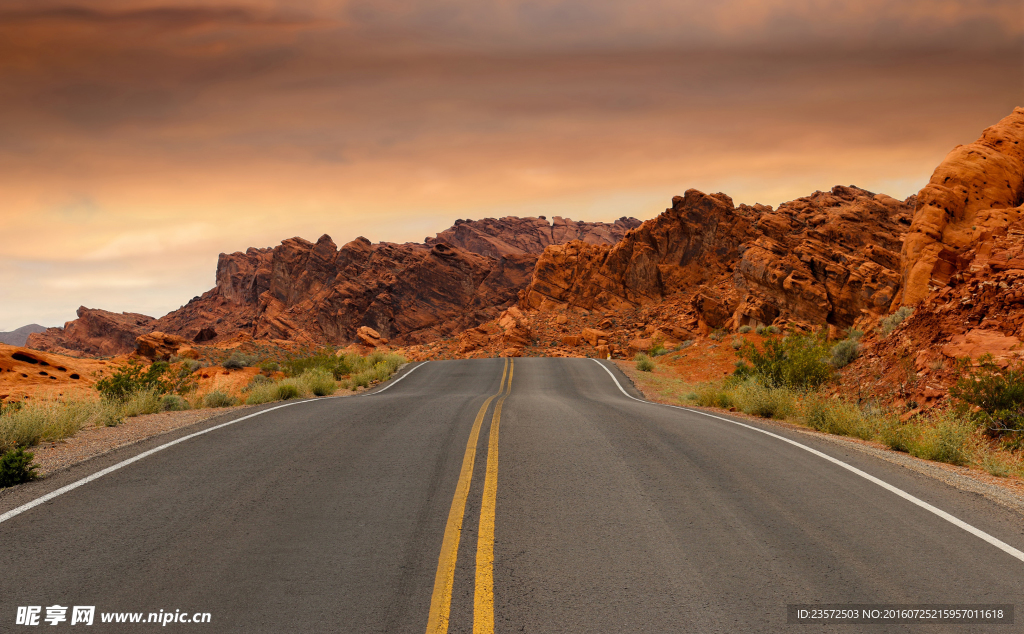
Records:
x=483, y=596
x=441, y=599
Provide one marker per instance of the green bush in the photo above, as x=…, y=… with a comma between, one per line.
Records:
x=836, y=416
x=796, y=361
x=737, y=343
x=761, y=330
x=190, y=365
x=898, y=435
x=257, y=381
x=239, y=360
x=711, y=395
x=139, y=403
x=774, y=330
x=173, y=403
x=219, y=399
x=949, y=440
x=47, y=420
x=286, y=390
x=1000, y=396
x=717, y=335
x=843, y=353
x=131, y=378
x=319, y=381
x=745, y=329
x=644, y=363
x=757, y=399
x=269, y=367
x=891, y=322
x=16, y=467
x=658, y=349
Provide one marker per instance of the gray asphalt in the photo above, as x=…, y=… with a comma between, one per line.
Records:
x=612, y=516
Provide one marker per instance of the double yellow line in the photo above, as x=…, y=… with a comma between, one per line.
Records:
x=483, y=596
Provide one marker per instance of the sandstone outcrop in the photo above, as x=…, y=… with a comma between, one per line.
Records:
x=975, y=194
x=95, y=332
x=827, y=258
x=500, y=237
x=158, y=346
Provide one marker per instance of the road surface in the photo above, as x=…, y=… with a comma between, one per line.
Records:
x=531, y=495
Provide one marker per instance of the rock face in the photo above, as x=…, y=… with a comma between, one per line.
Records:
x=519, y=236
x=974, y=195
x=95, y=332
x=158, y=346
x=827, y=258
x=315, y=293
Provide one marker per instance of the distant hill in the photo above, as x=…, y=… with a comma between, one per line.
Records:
x=20, y=336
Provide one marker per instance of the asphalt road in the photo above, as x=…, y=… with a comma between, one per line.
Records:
x=607, y=515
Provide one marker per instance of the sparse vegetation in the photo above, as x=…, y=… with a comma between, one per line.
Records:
x=737, y=343
x=797, y=361
x=761, y=330
x=891, y=322
x=644, y=363
x=219, y=399
x=716, y=335
x=239, y=360
x=745, y=329
x=844, y=352
x=131, y=378
x=998, y=395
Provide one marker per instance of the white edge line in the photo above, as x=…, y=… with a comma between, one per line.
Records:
x=124, y=463
x=388, y=387
x=1001, y=545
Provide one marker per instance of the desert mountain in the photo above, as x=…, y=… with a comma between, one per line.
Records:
x=317, y=293
x=19, y=336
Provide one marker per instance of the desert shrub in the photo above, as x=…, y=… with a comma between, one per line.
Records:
x=239, y=360
x=745, y=329
x=190, y=365
x=737, y=343
x=713, y=395
x=257, y=381
x=218, y=399
x=774, y=330
x=995, y=464
x=16, y=467
x=836, y=416
x=891, y=322
x=644, y=363
x=999, y=394
x=761, y=330
x=319, y=381
x=717, y=335
x=10, y=407
x=47, y=420
x=658, y=348
x=173, y=403
x=843, y=353
x=139, y=403
x=898, y=435
x=286, y=390
x=797, y=362
x=949, y=440
x=338, y=365
x=269, y=367
x=131, y=378
x=261, y=393
x=757, y=399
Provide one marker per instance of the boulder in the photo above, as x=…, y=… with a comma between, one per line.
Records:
x=369, y=337
x=158, y=346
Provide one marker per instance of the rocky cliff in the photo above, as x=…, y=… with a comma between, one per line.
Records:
x=974, y=195
x=831, y=257
x=316, y=293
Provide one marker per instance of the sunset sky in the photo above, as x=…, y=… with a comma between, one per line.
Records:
x=140, y=139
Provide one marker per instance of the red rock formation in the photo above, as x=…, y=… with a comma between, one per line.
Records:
x=158, y=346
x=95, y=332
x=518, y=236
x=976, y=193
x=826, y=258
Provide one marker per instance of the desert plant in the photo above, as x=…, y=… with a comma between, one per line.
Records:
x=131, y=378
x=190, y=365
x=898, y=435
x=843, y=353
x=644, y=363
x=712, y=395
x=761, y=330
x=319, y=381
x=658, y=348
x=173, y=403
x=745, y=329
x=286, y=390
x=737, y=343
x=139, y=403
x=948, y=440
x=797, y=361
x=16, y=467
x=269, y=367
x=774, y=330
x=218, y=399
x=836, y=416
x=891, y=322
x=239, y=360
x=47, y=420
x=999, y=396
x=716, y=335
x=757, y=399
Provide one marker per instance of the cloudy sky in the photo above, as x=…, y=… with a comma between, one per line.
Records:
x=139, y=139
